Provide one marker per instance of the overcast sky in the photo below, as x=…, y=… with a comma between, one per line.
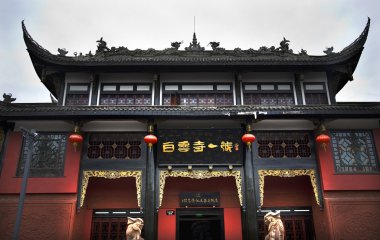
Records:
x=75, y=25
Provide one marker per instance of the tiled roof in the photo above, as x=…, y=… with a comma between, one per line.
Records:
x=218, y=56
x=20, y=110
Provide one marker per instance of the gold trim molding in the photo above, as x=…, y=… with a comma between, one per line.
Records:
x=111, y=175
x=288, y=173
x=201, y=174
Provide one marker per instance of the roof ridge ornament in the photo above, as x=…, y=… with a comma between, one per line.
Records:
x=176, y=45
x=215, y=46
x=329, y=50
x=62, y=52
x=194, y=45
x=284, y=46
x=102, y=46
x=263, y=55
x=8, y=98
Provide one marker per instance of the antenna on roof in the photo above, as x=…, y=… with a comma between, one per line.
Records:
x=194, y=23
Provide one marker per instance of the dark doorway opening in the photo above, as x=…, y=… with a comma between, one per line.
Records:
x=200, y=224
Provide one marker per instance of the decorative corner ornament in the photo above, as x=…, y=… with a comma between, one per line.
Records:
x=62, y=52
x=329, y=50
x=8, y=98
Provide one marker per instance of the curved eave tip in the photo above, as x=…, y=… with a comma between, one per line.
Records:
x=366, y=30
x=25, y=32
x=23, y=24
x=368, y=23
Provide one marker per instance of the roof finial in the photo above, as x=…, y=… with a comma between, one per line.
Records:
x=194, y=45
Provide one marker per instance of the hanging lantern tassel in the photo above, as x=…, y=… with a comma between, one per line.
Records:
x=323, y=139
x=75, y=139
x=150, y=140
x=248, y=139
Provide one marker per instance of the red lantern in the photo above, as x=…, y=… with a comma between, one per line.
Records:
x=150, y=140
x=248, y=139
x=76, y=139
x=323, y=139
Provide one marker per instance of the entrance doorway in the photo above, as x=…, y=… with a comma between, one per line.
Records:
x=200, y=224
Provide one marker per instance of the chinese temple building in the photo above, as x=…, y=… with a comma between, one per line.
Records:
x=199, y=143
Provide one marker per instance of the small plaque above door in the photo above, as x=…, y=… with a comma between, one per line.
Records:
x=199, y=199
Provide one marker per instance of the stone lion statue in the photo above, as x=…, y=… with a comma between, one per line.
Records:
x=134, y=228
x=276, y=230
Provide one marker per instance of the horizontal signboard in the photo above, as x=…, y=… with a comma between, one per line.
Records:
x=199, y=199
x=199, y=146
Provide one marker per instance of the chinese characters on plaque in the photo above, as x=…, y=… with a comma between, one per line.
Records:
x=195, y=146
x=198, y=146
x=199, y=199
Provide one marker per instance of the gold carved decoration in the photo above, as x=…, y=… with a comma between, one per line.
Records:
x=288, y=173
x=110, y=175
x=201, y=174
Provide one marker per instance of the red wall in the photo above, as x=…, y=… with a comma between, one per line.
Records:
x=111, y=193
x=166, y=225
x=45, y=216
x=333, y=181
x=9, y=183
x=353, y=214
x=288, y=191
x=232, y=224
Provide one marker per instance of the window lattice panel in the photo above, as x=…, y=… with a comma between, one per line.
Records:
x=76, y=99
x=114, y=146
x=354, y=152
x=210, y=99
x=125, y=99
x=283, y=145
x=270, y=99
x=48, y=156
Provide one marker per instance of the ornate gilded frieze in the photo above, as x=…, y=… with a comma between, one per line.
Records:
x=110, y=175
x=288, y=173
x=201, y=174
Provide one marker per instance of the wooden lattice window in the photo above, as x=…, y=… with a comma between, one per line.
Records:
x=114, y=146
x=190, y=94
x=125, y=94
x=77, y=94
x=284, y=145
x=111, y=224
x=48, y=155
x=298, y=224
x=268, y=94
x=315, y=93
x=354, y=152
